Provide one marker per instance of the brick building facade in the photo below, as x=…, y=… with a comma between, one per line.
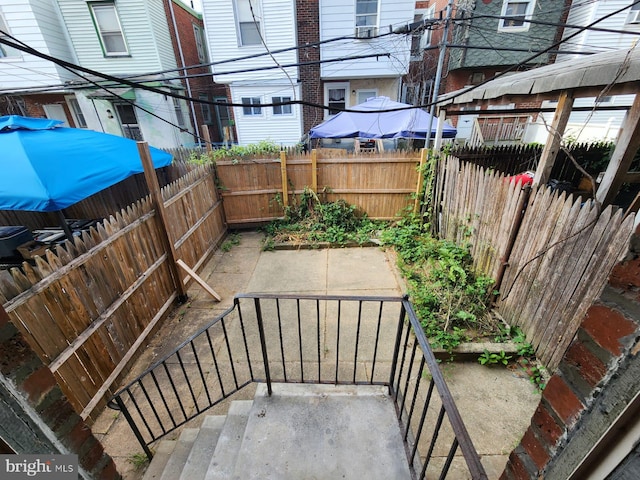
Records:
x=189, y=45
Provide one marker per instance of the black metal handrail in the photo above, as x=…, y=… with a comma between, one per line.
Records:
x=306, y=339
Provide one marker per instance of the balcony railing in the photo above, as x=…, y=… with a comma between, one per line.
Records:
x=308, y=339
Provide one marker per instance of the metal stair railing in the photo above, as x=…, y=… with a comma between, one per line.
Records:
x=325, y=339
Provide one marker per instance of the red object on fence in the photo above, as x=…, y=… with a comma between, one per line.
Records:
x=526, y=178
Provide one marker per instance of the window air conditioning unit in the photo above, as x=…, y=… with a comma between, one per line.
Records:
x=366, y=31
x=634, y=16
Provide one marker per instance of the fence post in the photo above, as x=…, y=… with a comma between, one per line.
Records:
x=283, y=171
x=207, y=138
x=263, y=344
x=423, y=159
x=161, y=216
x=314, y=170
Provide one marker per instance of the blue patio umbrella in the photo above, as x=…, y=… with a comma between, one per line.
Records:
x=409, y=123
x=46, y=167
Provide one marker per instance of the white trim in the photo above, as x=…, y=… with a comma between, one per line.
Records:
x=527, y=16
x=360, y=90
x=336, y=85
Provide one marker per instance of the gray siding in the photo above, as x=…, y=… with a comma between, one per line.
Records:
x=36, y=23
x=484, y=32
x=147, y=39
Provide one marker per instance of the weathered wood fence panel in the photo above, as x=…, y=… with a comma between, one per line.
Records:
x=560, y=263
x=88, y=307
x=476, y=207
x=379, y=184
x=251, y=190
x=557, y=259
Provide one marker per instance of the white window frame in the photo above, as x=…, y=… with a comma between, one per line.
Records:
x=421, y=39
x=177, y=107
x=5, y=51
x=334, y=86
x=366, y=30
x=633, y=18
x=76, y=112
x=198, y=33
x=374, y=91
x=205, y=109
x=282, y=108
x=502, y=27
x=103, y=44
x=248, y=109
x=129, y=130
x=242, y=17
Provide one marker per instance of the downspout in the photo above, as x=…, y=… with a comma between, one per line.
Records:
x=184, y=70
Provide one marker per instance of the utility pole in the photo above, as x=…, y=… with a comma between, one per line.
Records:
x=436, y=85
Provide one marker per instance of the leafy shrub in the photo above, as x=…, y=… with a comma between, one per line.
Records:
x=449, y=298
x=312, y=221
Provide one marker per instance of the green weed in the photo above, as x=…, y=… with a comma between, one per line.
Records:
x=138, y=460
x=231, y=241
x=309, y=220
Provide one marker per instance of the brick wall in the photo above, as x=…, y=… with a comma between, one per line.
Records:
x=307, y=18
x=604, y=346
x=22, y=367
x=204, y=85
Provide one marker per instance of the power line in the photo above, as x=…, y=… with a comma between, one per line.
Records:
x=298, y=102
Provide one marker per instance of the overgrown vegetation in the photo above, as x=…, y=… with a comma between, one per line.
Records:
x=138, y=460
x=232, y=240
x=264, y=148
x=453, y=303
x=311, y=221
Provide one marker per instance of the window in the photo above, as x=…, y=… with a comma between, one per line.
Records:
x=516, y=14
x=634, y=14
x=76, y=111
x=177, y=106
x=128, y=120
x=366, y=18
x=364, y=95
x=6, y=51
x=421, y=38
x=336, y=97
x=248, y=109
x=199, y=36
x=205, y=108
x=281, y=109
x=109, y=29
x=248, y=17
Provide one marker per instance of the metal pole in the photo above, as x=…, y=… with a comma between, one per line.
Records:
x=436, y=86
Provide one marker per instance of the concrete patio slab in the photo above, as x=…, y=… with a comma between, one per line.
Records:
x=496, y=404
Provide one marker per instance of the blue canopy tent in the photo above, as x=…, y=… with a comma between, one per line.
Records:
x=46, y=167
x=408, y=123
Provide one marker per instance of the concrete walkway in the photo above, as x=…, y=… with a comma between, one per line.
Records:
x=495, y=403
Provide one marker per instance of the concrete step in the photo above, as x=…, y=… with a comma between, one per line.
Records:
x=322, y=432
x=178, y=458
x=202, y=450
x=160, y=459
x=224, y=457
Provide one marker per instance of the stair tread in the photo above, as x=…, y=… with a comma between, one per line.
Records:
x=178, y=457
x=160, y=459
x=322, y=432
x=203, y=447
x=226, y=452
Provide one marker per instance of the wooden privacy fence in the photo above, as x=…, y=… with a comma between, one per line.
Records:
x=550, y=253
x=256, y=190
x=88, y=307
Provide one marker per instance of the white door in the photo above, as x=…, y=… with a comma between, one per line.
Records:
x=55, y=111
